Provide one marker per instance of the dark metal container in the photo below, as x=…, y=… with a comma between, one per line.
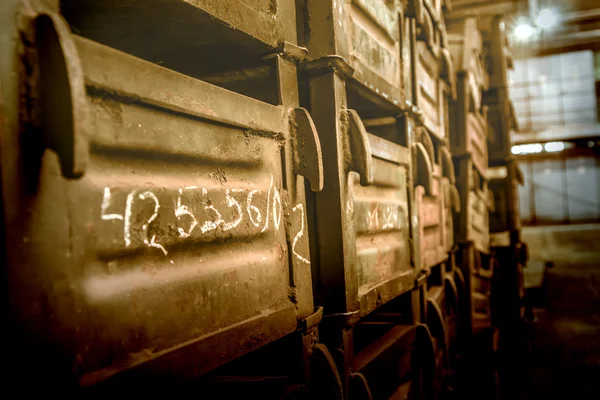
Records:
x=369, y=36
x=154, y=224
x=501, y=116
x=434, y=87
x=469, y=130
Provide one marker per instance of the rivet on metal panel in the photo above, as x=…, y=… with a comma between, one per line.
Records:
x=54, y=87
x=360, y=149
x=308, y=159
x=422, y=168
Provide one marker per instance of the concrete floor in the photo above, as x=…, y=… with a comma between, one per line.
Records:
x=564, y=361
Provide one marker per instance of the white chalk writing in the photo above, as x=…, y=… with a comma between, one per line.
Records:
x=300, y=233
x=195, y=207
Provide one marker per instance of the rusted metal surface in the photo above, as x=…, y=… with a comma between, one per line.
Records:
x=497, y=54
x=157, y=221
x=469, y=122
x=472, y=223
x=436, y=210
x=367, y=35
x=268, y=21
x=367, y=232
x=501, y=118
x=477, y=271
x=434, y=87
x=435, y=78
x=501, y=124
x=186, y=230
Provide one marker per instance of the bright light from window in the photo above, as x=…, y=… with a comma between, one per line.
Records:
x=527, y=148
x=551, y=147
x=546, y=19
x=524, y=31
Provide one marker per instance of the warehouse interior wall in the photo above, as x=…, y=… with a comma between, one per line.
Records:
x=555, y=101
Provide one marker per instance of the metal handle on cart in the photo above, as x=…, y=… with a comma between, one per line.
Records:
x=54, y=89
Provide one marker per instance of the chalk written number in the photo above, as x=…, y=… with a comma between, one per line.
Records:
x=239, y=204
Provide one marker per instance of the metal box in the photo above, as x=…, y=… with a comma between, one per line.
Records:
x=472, y=223
x=477, y=270
x=165, y=228
x=369, y=35
x=226, y=42
x=362, y=231
x=434, y=85
x=181, y=23
x=469, y=129
x=436, y=206
x=501, y=116
x=496, y=50
x=501, y=125
x=435, y=77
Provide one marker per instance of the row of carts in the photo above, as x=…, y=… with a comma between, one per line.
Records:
x=257, y=198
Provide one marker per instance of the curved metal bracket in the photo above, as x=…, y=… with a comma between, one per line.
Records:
x=450, y=286
x=359, y=387
x=447, y=165
x=56, y=88
x=439, y=316
x=453, y=196
x=426, y=32
x=422, y=168
x=424, y=138
x=426, y=347
x=324, y=375
x=445, y=43
x=447, y=71
x=308, y=159
x=361, y=160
